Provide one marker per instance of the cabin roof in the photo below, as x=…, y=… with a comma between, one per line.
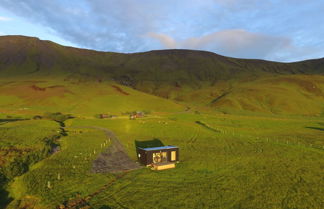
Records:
x=158, y=148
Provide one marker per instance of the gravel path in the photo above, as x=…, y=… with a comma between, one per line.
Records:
x=114, y=159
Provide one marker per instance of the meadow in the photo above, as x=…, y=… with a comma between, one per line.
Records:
x=232, y=161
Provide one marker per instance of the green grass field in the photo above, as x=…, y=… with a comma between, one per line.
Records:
x=234, y=162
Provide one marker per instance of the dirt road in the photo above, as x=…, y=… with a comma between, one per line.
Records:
x=114, y=159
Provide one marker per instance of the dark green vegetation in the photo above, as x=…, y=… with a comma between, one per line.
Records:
x=24, y=143
x=250, y=132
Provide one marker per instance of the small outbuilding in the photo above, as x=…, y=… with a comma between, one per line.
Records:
x=158, y=158
x=137, y=114
x=102, y=116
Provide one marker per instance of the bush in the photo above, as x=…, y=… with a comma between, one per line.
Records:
x=21, y=164
x=37, y=117
x=97, y=116
x=146, y=112
x=59, y=117
x=2, y=178
x=16, y=168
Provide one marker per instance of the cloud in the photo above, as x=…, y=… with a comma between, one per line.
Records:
x=5, y=18
x=114, y=25
x=235, y=4
x=234, y=42
x=165, y=40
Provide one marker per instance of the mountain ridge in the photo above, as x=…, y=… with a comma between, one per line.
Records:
x=20, y=50
x=149, y=51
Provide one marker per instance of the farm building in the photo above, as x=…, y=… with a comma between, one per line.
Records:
x=136, y=114
x=159, y=158
x=102, y=116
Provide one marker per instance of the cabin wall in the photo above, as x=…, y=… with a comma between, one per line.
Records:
x=149, y=157
x=143, y=157
x=146, y=157
x=177, y=154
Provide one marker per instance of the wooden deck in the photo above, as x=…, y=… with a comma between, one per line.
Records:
x=163, y=166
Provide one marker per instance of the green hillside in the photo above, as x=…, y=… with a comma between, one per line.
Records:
x=193, y=77
x=86, y=98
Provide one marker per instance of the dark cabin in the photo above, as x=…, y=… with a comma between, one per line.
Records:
x=158, y=157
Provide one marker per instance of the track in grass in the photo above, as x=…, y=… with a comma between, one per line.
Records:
x=114, y=159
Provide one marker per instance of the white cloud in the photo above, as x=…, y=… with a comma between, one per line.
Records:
x=5, y=18
x=165, y=40
x=234, y=42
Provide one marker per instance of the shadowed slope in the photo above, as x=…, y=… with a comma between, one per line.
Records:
x=37, y=56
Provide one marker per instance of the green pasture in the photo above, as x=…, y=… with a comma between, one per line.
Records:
x=229, y=162
x=86, y=99
x=25, y=133
x=66, y=173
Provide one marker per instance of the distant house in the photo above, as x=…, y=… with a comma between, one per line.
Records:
x=102, y=116
x=135, y=115
x=158, y=158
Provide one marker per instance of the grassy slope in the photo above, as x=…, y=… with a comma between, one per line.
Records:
x=264, y=95
x=194, y=77
x=244, y=162
x=292, y=94
x=86, y=98
x=67, y=172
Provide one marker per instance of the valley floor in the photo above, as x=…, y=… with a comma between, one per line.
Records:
x=226, y=161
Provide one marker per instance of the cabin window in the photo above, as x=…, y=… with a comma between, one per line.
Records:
x=173, y=155
x=159, y=157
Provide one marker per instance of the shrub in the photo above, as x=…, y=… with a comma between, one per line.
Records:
x=97, y=116
x=59, y=117
x=2, y=178
x=37, y=117
x=146, y=112
x=16, y=168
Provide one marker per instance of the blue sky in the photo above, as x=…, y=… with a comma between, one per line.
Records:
x=279, y=30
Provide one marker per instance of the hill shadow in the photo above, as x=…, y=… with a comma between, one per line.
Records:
x=105, y=207
x=8, y=120
x=149, y=143
x=4, y=198
x=207, y=126
x=316, y=128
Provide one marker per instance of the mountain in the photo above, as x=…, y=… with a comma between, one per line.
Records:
x=198, y=78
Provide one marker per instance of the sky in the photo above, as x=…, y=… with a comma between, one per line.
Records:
x=278, y=30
